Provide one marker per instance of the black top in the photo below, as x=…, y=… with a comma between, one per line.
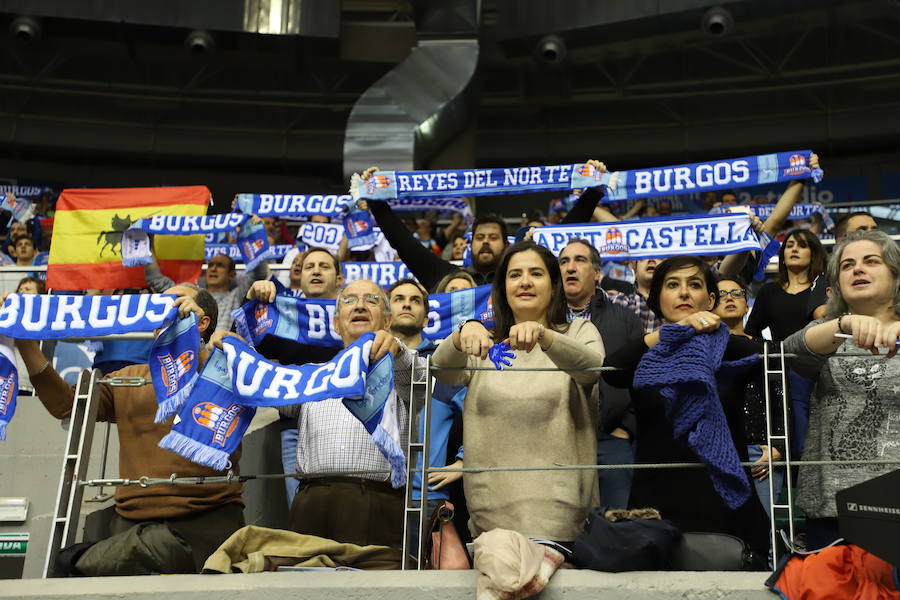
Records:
x=755, y=404
x=781, y=312
x=429, y=268
x=817, y=295
x=686, y=495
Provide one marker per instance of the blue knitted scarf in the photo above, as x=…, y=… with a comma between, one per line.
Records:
x=9, y=384
x=798, y=212
x=683, y=367
x=173, y=365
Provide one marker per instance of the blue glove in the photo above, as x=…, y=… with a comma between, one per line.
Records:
x=499, y=354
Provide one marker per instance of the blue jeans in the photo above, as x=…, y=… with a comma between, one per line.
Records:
x=289, y=462
x=800, y=390
x=615, y=484
x=754, y=453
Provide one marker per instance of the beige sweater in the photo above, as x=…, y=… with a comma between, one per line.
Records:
x=531, y=419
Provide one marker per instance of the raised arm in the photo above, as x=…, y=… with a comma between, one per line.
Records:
x=786, y=202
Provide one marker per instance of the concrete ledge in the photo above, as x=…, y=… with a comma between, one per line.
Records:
x=568, y=585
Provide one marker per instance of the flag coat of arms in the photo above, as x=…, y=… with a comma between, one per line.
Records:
x=86, y=251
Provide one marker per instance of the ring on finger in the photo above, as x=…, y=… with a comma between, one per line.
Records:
x=704, y=322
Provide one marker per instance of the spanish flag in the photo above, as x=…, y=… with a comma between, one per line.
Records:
x=85, y=252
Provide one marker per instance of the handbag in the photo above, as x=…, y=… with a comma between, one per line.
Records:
x=443, y=548
x=632, y=543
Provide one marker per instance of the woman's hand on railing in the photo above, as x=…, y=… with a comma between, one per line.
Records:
x=473, y=339
x=870, y=333
x=437, y=479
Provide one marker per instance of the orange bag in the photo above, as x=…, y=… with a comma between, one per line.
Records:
x=444, y=550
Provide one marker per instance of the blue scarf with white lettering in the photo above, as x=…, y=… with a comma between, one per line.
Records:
x=43, y=317
x=377, y=411
x=292, y=205
x=136, y=239
x=233, y=252
x=713, y=175
x=390, y=185
x=321, y=235
x=382, y=273
x=309, y=320
x=659, y=237
x=9, y=384
x=173, y=365
x=253, y=244
x=798, y=212
x=21, y=209
x=211, y=423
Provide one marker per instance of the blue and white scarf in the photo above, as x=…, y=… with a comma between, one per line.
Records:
x=233, y=252
x=22, y=210
x=362, y=234
x=44, y=317
x=389, y=185
x=292, y=205
x=253, y=244
x=713, y=175
x=211, y=423
x=173, y=365
x=305, y=320
x=136, y=239
x=310, y=320
x=25, y=191
x=377, y=411
x=696, y=235
x=9, y=384
x=382, y=273
x=322, y=235
x=763, y=211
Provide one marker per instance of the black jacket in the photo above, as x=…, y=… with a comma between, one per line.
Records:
x=616, y=325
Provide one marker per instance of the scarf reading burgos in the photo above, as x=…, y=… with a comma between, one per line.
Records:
x=621, y=185
x=136, y=239
x=39, y=317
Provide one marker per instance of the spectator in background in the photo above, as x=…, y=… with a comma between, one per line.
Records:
x=222, y=281
x=818, y=294
x=24, y=251
x=729, y=198
x=782, y=306
x=278, y=231
x=30, y=285
x=409, y=313
x=451, y=282
x=636, y=301
x=456, y=249
x=424, y=229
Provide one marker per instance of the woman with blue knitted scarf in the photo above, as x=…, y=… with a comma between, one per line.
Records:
x=687, y=379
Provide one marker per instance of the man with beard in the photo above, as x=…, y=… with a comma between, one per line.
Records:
x=316, y=273
x=637, y=300
x=580, y=267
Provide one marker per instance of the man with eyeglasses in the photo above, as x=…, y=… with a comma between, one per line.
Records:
x=347, y=495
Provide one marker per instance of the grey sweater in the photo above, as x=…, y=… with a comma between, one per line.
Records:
x=530, y=419
x=854, y=414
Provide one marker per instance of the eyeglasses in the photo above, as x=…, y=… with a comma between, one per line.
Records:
x=370, y=299
x=733, y=293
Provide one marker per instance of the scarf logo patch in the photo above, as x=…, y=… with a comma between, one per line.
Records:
x=7, y=387
x=797, y=165
x=377, y=182
x=615, y=243
x=488, y=314
x=263, y=321
x=173, y=368
x=221, y=421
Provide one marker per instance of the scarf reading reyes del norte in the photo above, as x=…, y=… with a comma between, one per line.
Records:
x=40, y=317
x=235, y=381
x=310, y=320
x=621, y=185
x=252, y=241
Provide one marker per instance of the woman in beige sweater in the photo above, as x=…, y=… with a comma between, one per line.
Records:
x=528, y=418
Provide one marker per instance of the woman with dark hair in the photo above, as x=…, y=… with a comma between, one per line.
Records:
x=528, y=418
x=855, y=406
x=783, y=306
x=683, y=291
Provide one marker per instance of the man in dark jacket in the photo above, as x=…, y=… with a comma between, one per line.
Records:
x=579, y=263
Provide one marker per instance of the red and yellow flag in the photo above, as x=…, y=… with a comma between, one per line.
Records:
x=85, y=252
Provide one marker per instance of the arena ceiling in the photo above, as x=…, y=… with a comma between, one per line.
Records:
x=637, y=80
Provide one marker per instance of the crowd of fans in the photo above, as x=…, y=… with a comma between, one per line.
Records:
x=566, y=314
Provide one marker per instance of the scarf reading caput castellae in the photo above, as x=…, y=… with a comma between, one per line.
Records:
x=621, y=185
x=41, y=317
x=236, y=380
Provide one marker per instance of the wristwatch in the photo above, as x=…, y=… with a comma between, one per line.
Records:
x=462, y=324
